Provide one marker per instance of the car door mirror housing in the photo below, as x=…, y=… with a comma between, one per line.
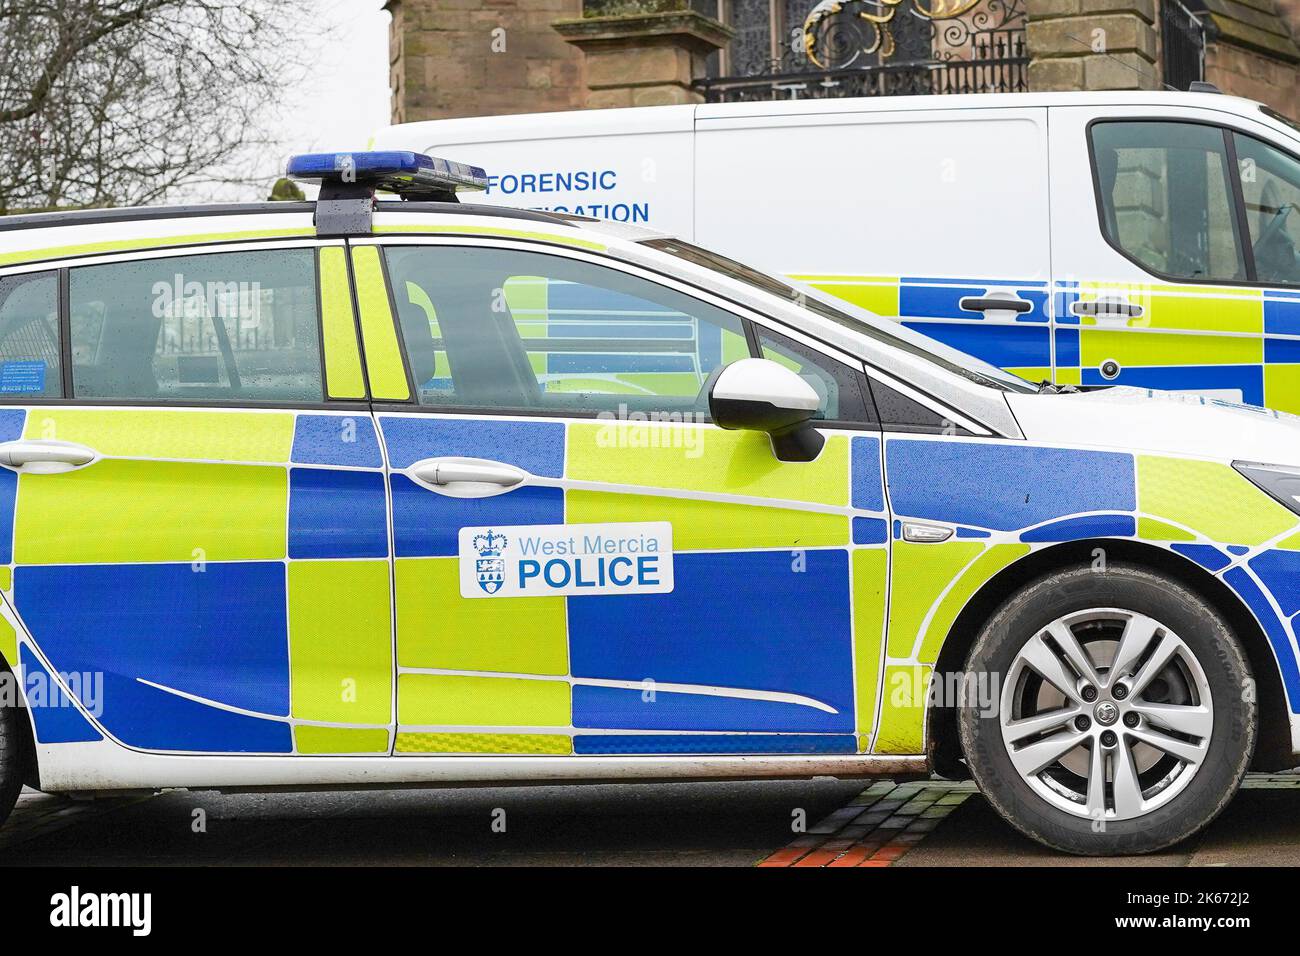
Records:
x=755, y=394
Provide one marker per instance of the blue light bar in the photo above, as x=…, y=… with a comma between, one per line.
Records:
x=397, y=171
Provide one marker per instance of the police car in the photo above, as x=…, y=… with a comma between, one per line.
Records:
x=355, y=493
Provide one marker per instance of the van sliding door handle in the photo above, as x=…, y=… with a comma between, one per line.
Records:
x=39, y=455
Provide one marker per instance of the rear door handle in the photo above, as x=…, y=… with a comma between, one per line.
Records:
x=468, y=477
x=43, y=456
x=1107, y=308
x=984, y=303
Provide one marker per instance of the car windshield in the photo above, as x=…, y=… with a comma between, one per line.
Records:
x=855, y=319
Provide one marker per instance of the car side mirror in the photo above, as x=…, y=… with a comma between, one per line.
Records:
x=755, y=394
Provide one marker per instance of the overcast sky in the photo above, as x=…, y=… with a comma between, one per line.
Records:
x=345, y=99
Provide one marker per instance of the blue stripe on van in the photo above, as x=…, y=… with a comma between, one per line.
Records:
x=1067, y=348
x=1006, y=346
x=1064, y=299
x=944, y=302
x=1249, y=379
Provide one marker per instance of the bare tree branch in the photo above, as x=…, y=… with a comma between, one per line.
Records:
x=117, y=102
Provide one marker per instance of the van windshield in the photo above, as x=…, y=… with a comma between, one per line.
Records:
x=855, y=319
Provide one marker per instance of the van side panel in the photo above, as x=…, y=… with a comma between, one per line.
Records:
x=907, y=216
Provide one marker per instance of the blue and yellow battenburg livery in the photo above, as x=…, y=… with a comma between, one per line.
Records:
x=251, y=613
x=1242, y=343
x=283, y=580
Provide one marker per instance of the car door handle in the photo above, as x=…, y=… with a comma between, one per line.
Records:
x=977, y=303
x=452, y=471
x=1107, y=308
x=40, y=455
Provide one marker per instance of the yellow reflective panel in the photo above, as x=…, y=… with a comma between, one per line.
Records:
x=340, y=740
x=340, y=641
x=1211, y=498
x=8, y=643
x=447, y=700
x=420, y=743
x=902, y=712
x=169, y=433
x=921, y=573
x=437, y=628
x=869, y=577
x=383, y=353
x=118, y=511
x=338, y=325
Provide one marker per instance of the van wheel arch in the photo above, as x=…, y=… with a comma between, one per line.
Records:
x=1273, y=741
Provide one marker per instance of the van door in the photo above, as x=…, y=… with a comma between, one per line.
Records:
x=1155, y=273
x=934, y=216
x=200, y=543
x=584, y=564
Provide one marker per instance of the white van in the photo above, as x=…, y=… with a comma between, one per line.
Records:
x=1083, y=238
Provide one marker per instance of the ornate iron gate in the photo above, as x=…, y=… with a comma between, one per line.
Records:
x=790, y=49
x=1182, y=41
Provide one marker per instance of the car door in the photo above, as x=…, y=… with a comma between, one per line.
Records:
x=583, y=563
x=1153, y=271
x=196, y=494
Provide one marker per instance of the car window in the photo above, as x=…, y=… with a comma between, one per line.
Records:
x=502, y=328
x=30, y=362
x=837, y=385
x=1270, y=187
x=235, y=327
x=1166, y=198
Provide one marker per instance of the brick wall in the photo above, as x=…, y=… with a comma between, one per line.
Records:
x=446, y=58
x=1243, y=72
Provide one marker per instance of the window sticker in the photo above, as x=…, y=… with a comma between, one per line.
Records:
x=560, y=559
x=23, y=377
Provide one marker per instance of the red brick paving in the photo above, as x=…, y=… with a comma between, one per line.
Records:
x=876, y=828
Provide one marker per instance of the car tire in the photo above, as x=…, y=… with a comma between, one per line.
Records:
x=12, y=747
x=1153, y=764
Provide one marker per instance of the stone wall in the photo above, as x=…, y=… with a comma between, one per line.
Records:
x=482, y=57
x=1244, y=72
x=1092, y=45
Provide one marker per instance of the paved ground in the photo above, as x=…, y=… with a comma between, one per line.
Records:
x=703, y=824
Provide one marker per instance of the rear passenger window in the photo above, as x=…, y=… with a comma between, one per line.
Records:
x=1166, y=198
x=501, y=328
x=30, y=365
x=228, y=327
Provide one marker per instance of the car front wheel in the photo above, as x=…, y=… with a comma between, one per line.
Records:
x=1120, y=717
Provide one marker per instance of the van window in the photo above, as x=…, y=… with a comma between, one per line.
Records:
x=1270, y=187
x=30, y=362
x=226, y=327
x=1166, y=198
x=501, y=328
